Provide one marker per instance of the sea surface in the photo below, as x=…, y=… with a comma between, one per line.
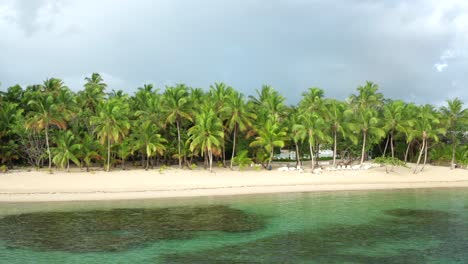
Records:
x=405, y=226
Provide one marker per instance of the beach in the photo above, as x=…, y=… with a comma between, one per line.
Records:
x=35, y=186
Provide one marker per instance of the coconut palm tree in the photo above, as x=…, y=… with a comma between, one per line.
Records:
x=89, y=150
x=368, y=123
x=335, y=118
x=269, y=104
x=178, y=107
x=454, y=116
x=207, y=134
x=363, y=109
x=270, y=135
x=297, y=134
x=314, y=126
x=149, y=141
x=393, y=121
x=111, y=123
x=240, y=118
x=427, y=127
x=45, y=112
x=66, y=150
x=367, y=97
x=93, y=92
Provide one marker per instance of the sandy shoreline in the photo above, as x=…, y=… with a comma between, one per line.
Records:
x=23, y=186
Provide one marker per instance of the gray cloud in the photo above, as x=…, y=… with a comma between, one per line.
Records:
x=415, y=50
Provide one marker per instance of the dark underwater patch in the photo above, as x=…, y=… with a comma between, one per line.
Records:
x=334, y=244
x=418, y=213
x=119, y=229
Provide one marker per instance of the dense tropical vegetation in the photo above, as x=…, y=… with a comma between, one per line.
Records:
x=48, y=124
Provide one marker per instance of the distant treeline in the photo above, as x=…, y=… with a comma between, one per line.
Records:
x=48, y=124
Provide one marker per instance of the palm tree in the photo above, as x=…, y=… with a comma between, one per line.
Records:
x=393, y=121
x=368, y=97
x=364, y=107
x=270, y=104
x=66, y=150
x=455, y=116
x=89, y=150
x=239, y=118
x=149, y=141
x=219, y=94
x=207, y=134
x=111, y=123
x=93, y=92
x=369, y=125
x=314, y=126
x=297, y=134
x=45, y=112
x=335, y=119
x=125, y=149
x=178, y=107
x=426, y=126
x=270, y=135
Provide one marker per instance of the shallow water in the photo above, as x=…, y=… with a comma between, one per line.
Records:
x=408, y=226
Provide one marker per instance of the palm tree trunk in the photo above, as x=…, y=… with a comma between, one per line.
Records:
x=68, y=165
x=233, y=145
x=178, y=139
x=210, y=157
x=407, y=151
x=425, y=156
x=454, y=148
x=147, y=161
x=420, y=155
x=363, y=146
x=386, y=145
x=108, y=153
x=391, y=145
x=48, y=148
x=334, y=148
x=271, y=158
x=311, y=157
x=298, y=158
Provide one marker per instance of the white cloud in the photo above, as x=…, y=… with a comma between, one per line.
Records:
x=440, y=67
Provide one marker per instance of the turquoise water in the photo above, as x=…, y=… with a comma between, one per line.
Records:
x=408, y=226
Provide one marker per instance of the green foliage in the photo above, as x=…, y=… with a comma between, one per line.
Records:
x=50, y=121
x=242, y=159
x=389, y=161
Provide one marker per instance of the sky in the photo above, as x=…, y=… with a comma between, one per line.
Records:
x=415, y=50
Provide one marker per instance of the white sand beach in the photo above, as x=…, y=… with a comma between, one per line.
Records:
x=31, y=186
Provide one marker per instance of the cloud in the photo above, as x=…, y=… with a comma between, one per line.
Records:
x=292, y=45
x=440, y=67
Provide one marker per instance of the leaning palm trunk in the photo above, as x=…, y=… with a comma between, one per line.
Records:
x=425, y=155
x=420, y=155
x=407, y=150
x=391, y=144
x=233, y=145
x=48, y=148
x=311, y=157
x=363, y=146
x=386, y=145
x=270, y=159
